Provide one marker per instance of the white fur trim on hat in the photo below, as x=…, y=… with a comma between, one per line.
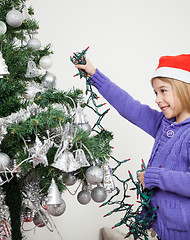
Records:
x=175, y=73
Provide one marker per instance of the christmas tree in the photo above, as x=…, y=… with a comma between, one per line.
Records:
x=46, y=142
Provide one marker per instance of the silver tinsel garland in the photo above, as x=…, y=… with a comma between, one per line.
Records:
x=19, y=116
x=22, y=115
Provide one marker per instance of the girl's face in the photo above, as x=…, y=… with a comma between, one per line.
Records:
x=168, y=102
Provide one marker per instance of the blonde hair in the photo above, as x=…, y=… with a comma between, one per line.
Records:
x=181, y=90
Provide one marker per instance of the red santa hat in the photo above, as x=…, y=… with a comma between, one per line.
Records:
x=177, y=67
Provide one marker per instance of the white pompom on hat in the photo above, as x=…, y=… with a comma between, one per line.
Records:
x=176, y=67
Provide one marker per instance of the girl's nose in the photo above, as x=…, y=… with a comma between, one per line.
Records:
x=158, y=99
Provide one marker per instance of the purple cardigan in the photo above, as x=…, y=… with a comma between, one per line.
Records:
x=168, y=169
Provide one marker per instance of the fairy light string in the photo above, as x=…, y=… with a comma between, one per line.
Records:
x=80, y=58
x=136, y=220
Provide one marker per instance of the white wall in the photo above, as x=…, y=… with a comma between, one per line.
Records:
x=126, y=38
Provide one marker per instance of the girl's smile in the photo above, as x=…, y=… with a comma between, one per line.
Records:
x=164, y=108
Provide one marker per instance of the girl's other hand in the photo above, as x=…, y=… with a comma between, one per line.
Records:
x=141, y=178
x=88, y=67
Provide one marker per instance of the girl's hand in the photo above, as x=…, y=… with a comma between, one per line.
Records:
x=88, y=67
x=141, y=178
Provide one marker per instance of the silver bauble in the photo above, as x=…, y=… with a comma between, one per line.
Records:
x=4, y=161
x=48, y=80
x=84, y=197
x=14, y=18
x=40, y=220
x=46, y=62
x=34, y=43
x=99, y=194
x=71, y=180
x=56, y=209
x=94, y=175
x=3, y=28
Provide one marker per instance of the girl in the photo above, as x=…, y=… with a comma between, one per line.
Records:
x=168, y=170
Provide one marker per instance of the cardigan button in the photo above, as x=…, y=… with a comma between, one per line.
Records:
x=170, y=133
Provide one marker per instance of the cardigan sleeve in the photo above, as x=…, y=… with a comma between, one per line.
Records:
x=168, y=180
x=139, y=114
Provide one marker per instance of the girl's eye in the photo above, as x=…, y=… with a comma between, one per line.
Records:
x=163, y=90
